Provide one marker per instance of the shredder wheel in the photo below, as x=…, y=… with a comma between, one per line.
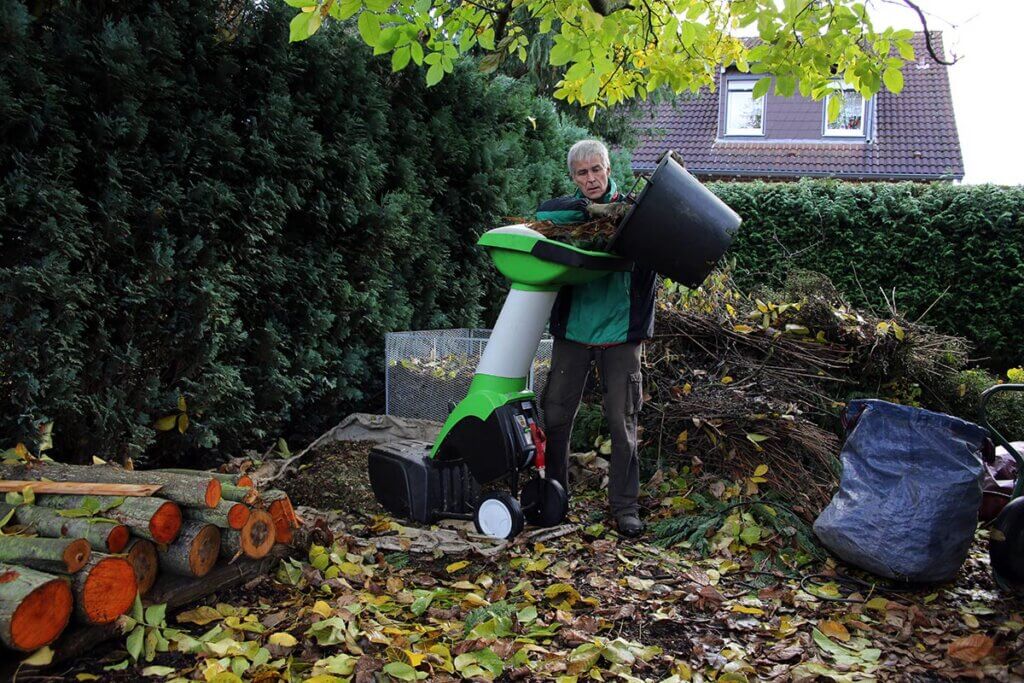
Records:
x=1007, y=553
x=544, y=502
x=498, y=515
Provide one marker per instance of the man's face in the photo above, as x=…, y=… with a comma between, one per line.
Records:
x=591, y=176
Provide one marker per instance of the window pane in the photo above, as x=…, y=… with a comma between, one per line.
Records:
x=851, y=113
x=743, y=113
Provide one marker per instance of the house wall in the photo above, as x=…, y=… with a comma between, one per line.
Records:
x=785, y=118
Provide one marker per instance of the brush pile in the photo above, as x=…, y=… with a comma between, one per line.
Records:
x=737, y=382
x=84, y=541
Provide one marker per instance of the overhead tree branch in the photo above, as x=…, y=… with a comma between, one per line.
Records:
x=927, y=34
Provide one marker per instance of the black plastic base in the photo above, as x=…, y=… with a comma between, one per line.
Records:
x=412, y=485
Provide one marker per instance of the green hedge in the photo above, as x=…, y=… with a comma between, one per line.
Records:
x=190, y=211
x=917, y=239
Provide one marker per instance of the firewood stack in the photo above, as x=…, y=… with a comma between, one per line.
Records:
x=89, y=538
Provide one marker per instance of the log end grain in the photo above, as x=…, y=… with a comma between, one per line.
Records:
x=284, y=518
x=108, y=591
x=238, y=515
x=42, y=615
x=204, y=550
x=258, y=535
x=118, y=538
x=244, y=480
x=76, y=555
x=144, y=560
x=166, y=523
x=213, y=492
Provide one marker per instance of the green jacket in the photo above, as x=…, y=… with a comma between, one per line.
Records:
x=613, y=309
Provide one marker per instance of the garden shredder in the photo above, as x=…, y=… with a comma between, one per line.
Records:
x=1006, y=540
x=493, y=436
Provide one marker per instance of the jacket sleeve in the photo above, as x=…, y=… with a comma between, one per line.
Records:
x=562, y=210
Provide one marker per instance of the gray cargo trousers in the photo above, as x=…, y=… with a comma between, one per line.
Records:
x=618, y=369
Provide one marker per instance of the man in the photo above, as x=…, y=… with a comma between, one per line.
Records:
x=602, y=323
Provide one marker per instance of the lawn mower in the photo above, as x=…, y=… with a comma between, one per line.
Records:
x=487, y=463
x=1006, y=540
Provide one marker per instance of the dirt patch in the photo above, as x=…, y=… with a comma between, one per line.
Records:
x=335, y=477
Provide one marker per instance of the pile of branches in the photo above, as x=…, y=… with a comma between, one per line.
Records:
x=739, y=381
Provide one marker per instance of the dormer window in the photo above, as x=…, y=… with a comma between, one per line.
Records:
x=851, y=113
x=743, y=114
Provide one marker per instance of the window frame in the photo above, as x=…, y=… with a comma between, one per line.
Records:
x=844, y=132
x=743, y=85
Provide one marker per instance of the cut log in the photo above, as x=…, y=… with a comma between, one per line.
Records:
x=153, y=518
x=80, y=487
x=186, y=490
x=254, y=540
x=102, y=536
x=143, y=557
x=239, y=494
x=104, y=589
x=195, y=552
x=59, y=555
x=279, y=505
x=34, y=607
x=223, y=477
x=227, y=515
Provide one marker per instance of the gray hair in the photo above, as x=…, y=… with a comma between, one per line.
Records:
x=588, y=149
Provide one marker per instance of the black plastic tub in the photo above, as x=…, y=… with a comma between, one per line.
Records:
x=677, y=227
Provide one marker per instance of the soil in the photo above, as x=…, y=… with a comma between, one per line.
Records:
x=335, y=477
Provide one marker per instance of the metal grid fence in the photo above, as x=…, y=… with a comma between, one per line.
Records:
x=428, y=371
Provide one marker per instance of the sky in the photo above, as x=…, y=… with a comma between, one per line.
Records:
x=987, y=94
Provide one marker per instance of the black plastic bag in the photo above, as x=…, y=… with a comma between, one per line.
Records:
x=907, y=504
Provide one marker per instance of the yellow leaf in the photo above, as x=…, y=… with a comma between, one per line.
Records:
x=40, y=657
x=414, y=658
x=351, y=569
x=687, y=388
x=282, y=639
x=761, y=470
x=96, y=460
x=971, y=621
x=182, y=406
x=898, y=331
x=742, y=329
x=166, y=424
x=878, y=604
x=747, y=610
x=726, y=380
x=21, y=451
x=456, y=566
x=86, y=677
x=474, y=600
x=182, y=423
x=834, y=629
x=322, y=608
x=533, y=122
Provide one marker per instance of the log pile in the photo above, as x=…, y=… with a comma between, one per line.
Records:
x=83, y=541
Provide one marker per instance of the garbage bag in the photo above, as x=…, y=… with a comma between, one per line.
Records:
x=908, y=498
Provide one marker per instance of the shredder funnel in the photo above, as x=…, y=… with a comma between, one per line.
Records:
x=677, y=227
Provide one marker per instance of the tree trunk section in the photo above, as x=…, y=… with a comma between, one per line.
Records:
x=254, y=540
x=104, y=589
x=143, y=557
x=279, y=505
x=186, y=490
x=195, y=552
x=60, y=555
x=227, y=515
x=34, y=607
x=153, y=518
x=239, y=494
x=223, y=477
x=102, y=536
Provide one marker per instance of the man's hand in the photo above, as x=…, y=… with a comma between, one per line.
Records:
x=615, y=211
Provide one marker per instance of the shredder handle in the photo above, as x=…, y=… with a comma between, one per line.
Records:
x=986, y=395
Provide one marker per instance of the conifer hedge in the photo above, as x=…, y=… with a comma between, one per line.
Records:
x=189, y=208
x=954, y=254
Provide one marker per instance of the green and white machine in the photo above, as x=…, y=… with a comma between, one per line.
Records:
x=488, y=460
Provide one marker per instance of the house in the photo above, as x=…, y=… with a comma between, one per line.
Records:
x=726, y=134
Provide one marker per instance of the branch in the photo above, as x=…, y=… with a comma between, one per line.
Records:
x=927, y=34
x=502, y=21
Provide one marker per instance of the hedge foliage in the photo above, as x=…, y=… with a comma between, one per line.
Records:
x=954, y=254
x=192, y=211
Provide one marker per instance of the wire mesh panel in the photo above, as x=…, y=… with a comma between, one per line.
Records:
x=428, y=371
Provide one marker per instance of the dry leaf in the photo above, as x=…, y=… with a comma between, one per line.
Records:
x=971, y=648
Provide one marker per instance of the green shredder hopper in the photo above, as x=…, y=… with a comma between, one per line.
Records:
x=487, y=463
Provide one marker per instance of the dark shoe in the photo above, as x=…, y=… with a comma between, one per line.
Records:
x=629, y=524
